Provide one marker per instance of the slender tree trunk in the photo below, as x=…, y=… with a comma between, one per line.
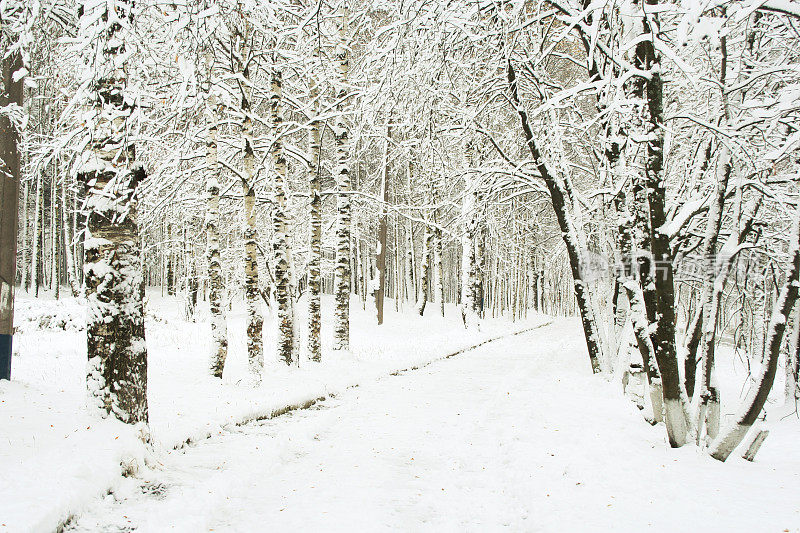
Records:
x=411, y=287
x=439, y=269
x=424, y=272
x=341, y=326
x=729, y=439
x=26, y=251
x=255, y=321
x=170, y=263
x=315, y=245
x=791, y=390
x=219, y=328
x=68, y=238
x=117, y=369
x=469, y=267
x=383, y=227
x=568, y=230
x=398, y=268
x=281, y=253
x=54, y=216
x=37, y=235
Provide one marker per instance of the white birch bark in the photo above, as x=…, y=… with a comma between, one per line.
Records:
x=280, y=247
x=341, y=326
x=315, y=245
x=117, y=369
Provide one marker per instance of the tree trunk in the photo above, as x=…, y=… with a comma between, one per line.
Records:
x=219, y=328
x=255, y=321
x=729, y=439
x=11, y=94
x=37, y=235
x=341, y=326
x=569, y=232
x=469, y=267
x=54, y=217
x=424, y=273
x=791, y=390
x=713, y=282
x=383, y=227
x=68, y=238
x=315, y=245
x=657, y=270
x=439, y=269
x=26, y=255
x=117, y=369
x=280, y=247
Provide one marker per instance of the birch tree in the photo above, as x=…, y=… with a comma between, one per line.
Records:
x=341, y=327
x=117, y=370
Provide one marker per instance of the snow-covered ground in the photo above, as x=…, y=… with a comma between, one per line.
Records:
x=516, y=435
x=55, y=458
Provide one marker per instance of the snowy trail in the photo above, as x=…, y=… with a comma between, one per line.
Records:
x=516, y=435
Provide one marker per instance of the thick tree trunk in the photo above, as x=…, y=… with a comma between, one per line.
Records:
x=280, y=247
x=341, y=326
x=729, y=439
x=117, y=369
x=656, y=273
x=569, y=232
x=11, y=94
x=315, y=245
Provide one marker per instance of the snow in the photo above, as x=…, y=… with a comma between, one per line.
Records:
x=56, y=457
x=515, y=435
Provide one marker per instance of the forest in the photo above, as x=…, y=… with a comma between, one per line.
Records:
x=219, y=214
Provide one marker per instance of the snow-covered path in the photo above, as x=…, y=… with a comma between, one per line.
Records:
x=516, y=435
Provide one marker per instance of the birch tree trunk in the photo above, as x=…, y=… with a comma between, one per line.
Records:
x=411, y=288
x=117, y=369
x=341, y=326
x=54, y=216
x=255, y=321
x=315, y=245
x=439, y=269
x=791, y=390
x=383, y=227
x=280, y=247
x=469, y=266
x=26, y=259
x=37, y=235
x=219, y=328
x=68, y=238
x=424, y=271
